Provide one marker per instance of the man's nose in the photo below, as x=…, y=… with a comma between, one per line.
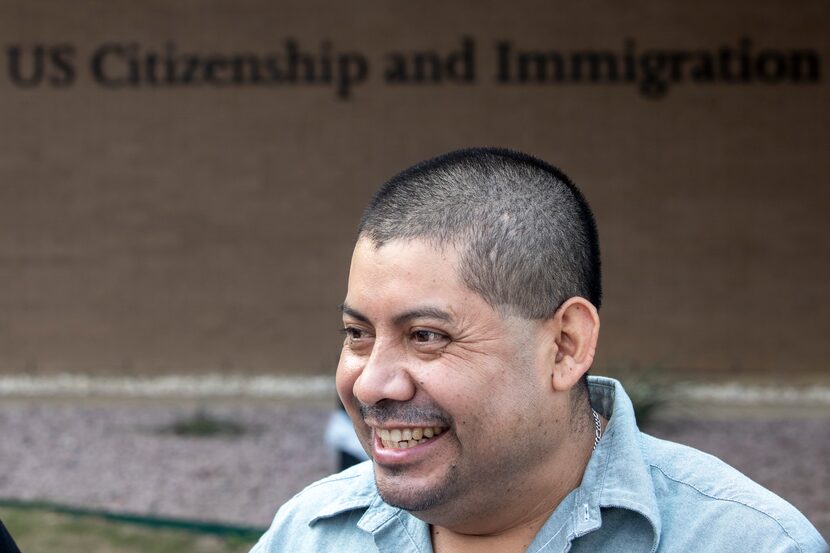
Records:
x=384, y=376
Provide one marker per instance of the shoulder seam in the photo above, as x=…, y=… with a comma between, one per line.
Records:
x=731, y=500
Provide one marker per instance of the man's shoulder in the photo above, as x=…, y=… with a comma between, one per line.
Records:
x=688, y=482
x=356, y=485
x=681, y=466
x=343, y=495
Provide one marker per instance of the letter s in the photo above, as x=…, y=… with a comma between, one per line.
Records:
x=62, y=61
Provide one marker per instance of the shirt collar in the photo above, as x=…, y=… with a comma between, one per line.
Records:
x=618, y=475
x=362, y=493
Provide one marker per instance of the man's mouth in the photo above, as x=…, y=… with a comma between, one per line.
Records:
x=402, y=438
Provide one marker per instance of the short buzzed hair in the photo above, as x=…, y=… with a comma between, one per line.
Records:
x=526, y=237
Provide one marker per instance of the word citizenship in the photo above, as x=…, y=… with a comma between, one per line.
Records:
x=653, y=72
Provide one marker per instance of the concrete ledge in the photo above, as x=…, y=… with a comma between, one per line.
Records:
x=184, y=386
x=322, y=387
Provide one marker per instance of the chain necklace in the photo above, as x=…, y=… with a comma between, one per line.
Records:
x=597, y=429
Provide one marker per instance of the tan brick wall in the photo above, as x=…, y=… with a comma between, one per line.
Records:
x=208, y=228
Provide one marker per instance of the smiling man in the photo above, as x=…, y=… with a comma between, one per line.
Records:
x=470, y=322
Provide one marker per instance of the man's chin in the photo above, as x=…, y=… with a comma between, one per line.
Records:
x=410, y=494
x=410, y=500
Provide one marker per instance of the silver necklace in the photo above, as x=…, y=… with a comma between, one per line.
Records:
x=597, y=429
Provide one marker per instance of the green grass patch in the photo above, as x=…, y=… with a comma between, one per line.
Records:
x=39, y=530
x=203, y=424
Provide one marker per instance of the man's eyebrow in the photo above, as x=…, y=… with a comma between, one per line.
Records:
x=417, y=313
x=355, y=314
x=423, y=313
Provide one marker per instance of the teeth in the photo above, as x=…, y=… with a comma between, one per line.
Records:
x=403, y=438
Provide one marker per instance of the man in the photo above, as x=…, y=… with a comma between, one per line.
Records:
x=470, y=322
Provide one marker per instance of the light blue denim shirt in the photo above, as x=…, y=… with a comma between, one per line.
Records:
x=638, y=494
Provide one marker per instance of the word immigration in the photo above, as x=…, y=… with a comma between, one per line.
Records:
x=654, y=70
x=132, y=66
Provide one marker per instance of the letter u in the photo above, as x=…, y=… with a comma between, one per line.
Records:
x=36, y=70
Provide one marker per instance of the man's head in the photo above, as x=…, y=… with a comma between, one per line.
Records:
x=462, y=352
x=526, y=236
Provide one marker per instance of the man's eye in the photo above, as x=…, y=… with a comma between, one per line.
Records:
x=353, y=333
x=426, y=336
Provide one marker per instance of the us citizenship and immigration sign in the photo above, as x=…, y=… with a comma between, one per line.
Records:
x=180, y=181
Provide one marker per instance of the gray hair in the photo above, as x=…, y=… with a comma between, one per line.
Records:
x=526, y=236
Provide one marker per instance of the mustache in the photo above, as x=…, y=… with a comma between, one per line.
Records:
x=386, y=411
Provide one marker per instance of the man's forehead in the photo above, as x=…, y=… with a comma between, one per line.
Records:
x=403, y=256
x=407, y=242
x=389, y=286
x=405, y=279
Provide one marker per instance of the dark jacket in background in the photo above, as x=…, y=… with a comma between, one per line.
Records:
x=7, y=544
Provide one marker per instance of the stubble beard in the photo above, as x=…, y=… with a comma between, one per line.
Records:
x=393, y=484
x=407, y=497
x=461, y=491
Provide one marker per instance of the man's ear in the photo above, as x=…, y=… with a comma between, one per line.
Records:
x=576, y=328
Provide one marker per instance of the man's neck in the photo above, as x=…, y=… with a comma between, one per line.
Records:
x=521, y=512
x=514, y=540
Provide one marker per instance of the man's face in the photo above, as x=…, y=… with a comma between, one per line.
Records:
x=449, y=398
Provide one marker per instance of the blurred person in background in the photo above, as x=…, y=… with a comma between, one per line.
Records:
x=342, y=440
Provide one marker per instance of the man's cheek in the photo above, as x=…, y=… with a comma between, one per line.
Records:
x=344, y=384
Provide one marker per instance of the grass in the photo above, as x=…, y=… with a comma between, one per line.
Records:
x=202, y=424
x=37, y=531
